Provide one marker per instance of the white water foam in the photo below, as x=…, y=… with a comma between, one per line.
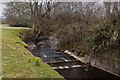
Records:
x=74, y=66
x=60, y=67
x=44, y=56
x=66, y=67
x=64, y=59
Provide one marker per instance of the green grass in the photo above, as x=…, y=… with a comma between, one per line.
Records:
x=4, y=25
x=17, y=61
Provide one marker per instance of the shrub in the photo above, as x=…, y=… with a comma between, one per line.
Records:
x=20, y=25
x=27, y=36
x=100, y=34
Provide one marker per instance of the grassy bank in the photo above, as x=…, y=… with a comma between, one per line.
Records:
x=17, y=62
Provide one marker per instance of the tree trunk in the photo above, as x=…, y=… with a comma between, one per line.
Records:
x=33, y=24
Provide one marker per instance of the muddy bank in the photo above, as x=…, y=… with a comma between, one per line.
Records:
x=106, y=65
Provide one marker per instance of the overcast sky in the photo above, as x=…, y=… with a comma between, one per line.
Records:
x=1, y=9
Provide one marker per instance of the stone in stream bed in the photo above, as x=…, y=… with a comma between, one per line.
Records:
x=31, y=46
x=40, y=43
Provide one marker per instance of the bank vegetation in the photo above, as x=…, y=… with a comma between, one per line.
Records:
x=84, y=28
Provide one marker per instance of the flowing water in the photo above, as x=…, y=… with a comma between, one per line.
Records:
x=66, y=65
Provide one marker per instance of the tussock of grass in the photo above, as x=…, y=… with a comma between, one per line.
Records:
x=17, y=61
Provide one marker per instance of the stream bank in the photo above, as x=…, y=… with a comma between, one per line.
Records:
x=106, y=65
x=17, y=61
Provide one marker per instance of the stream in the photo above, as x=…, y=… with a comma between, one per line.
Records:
x=66, y=65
